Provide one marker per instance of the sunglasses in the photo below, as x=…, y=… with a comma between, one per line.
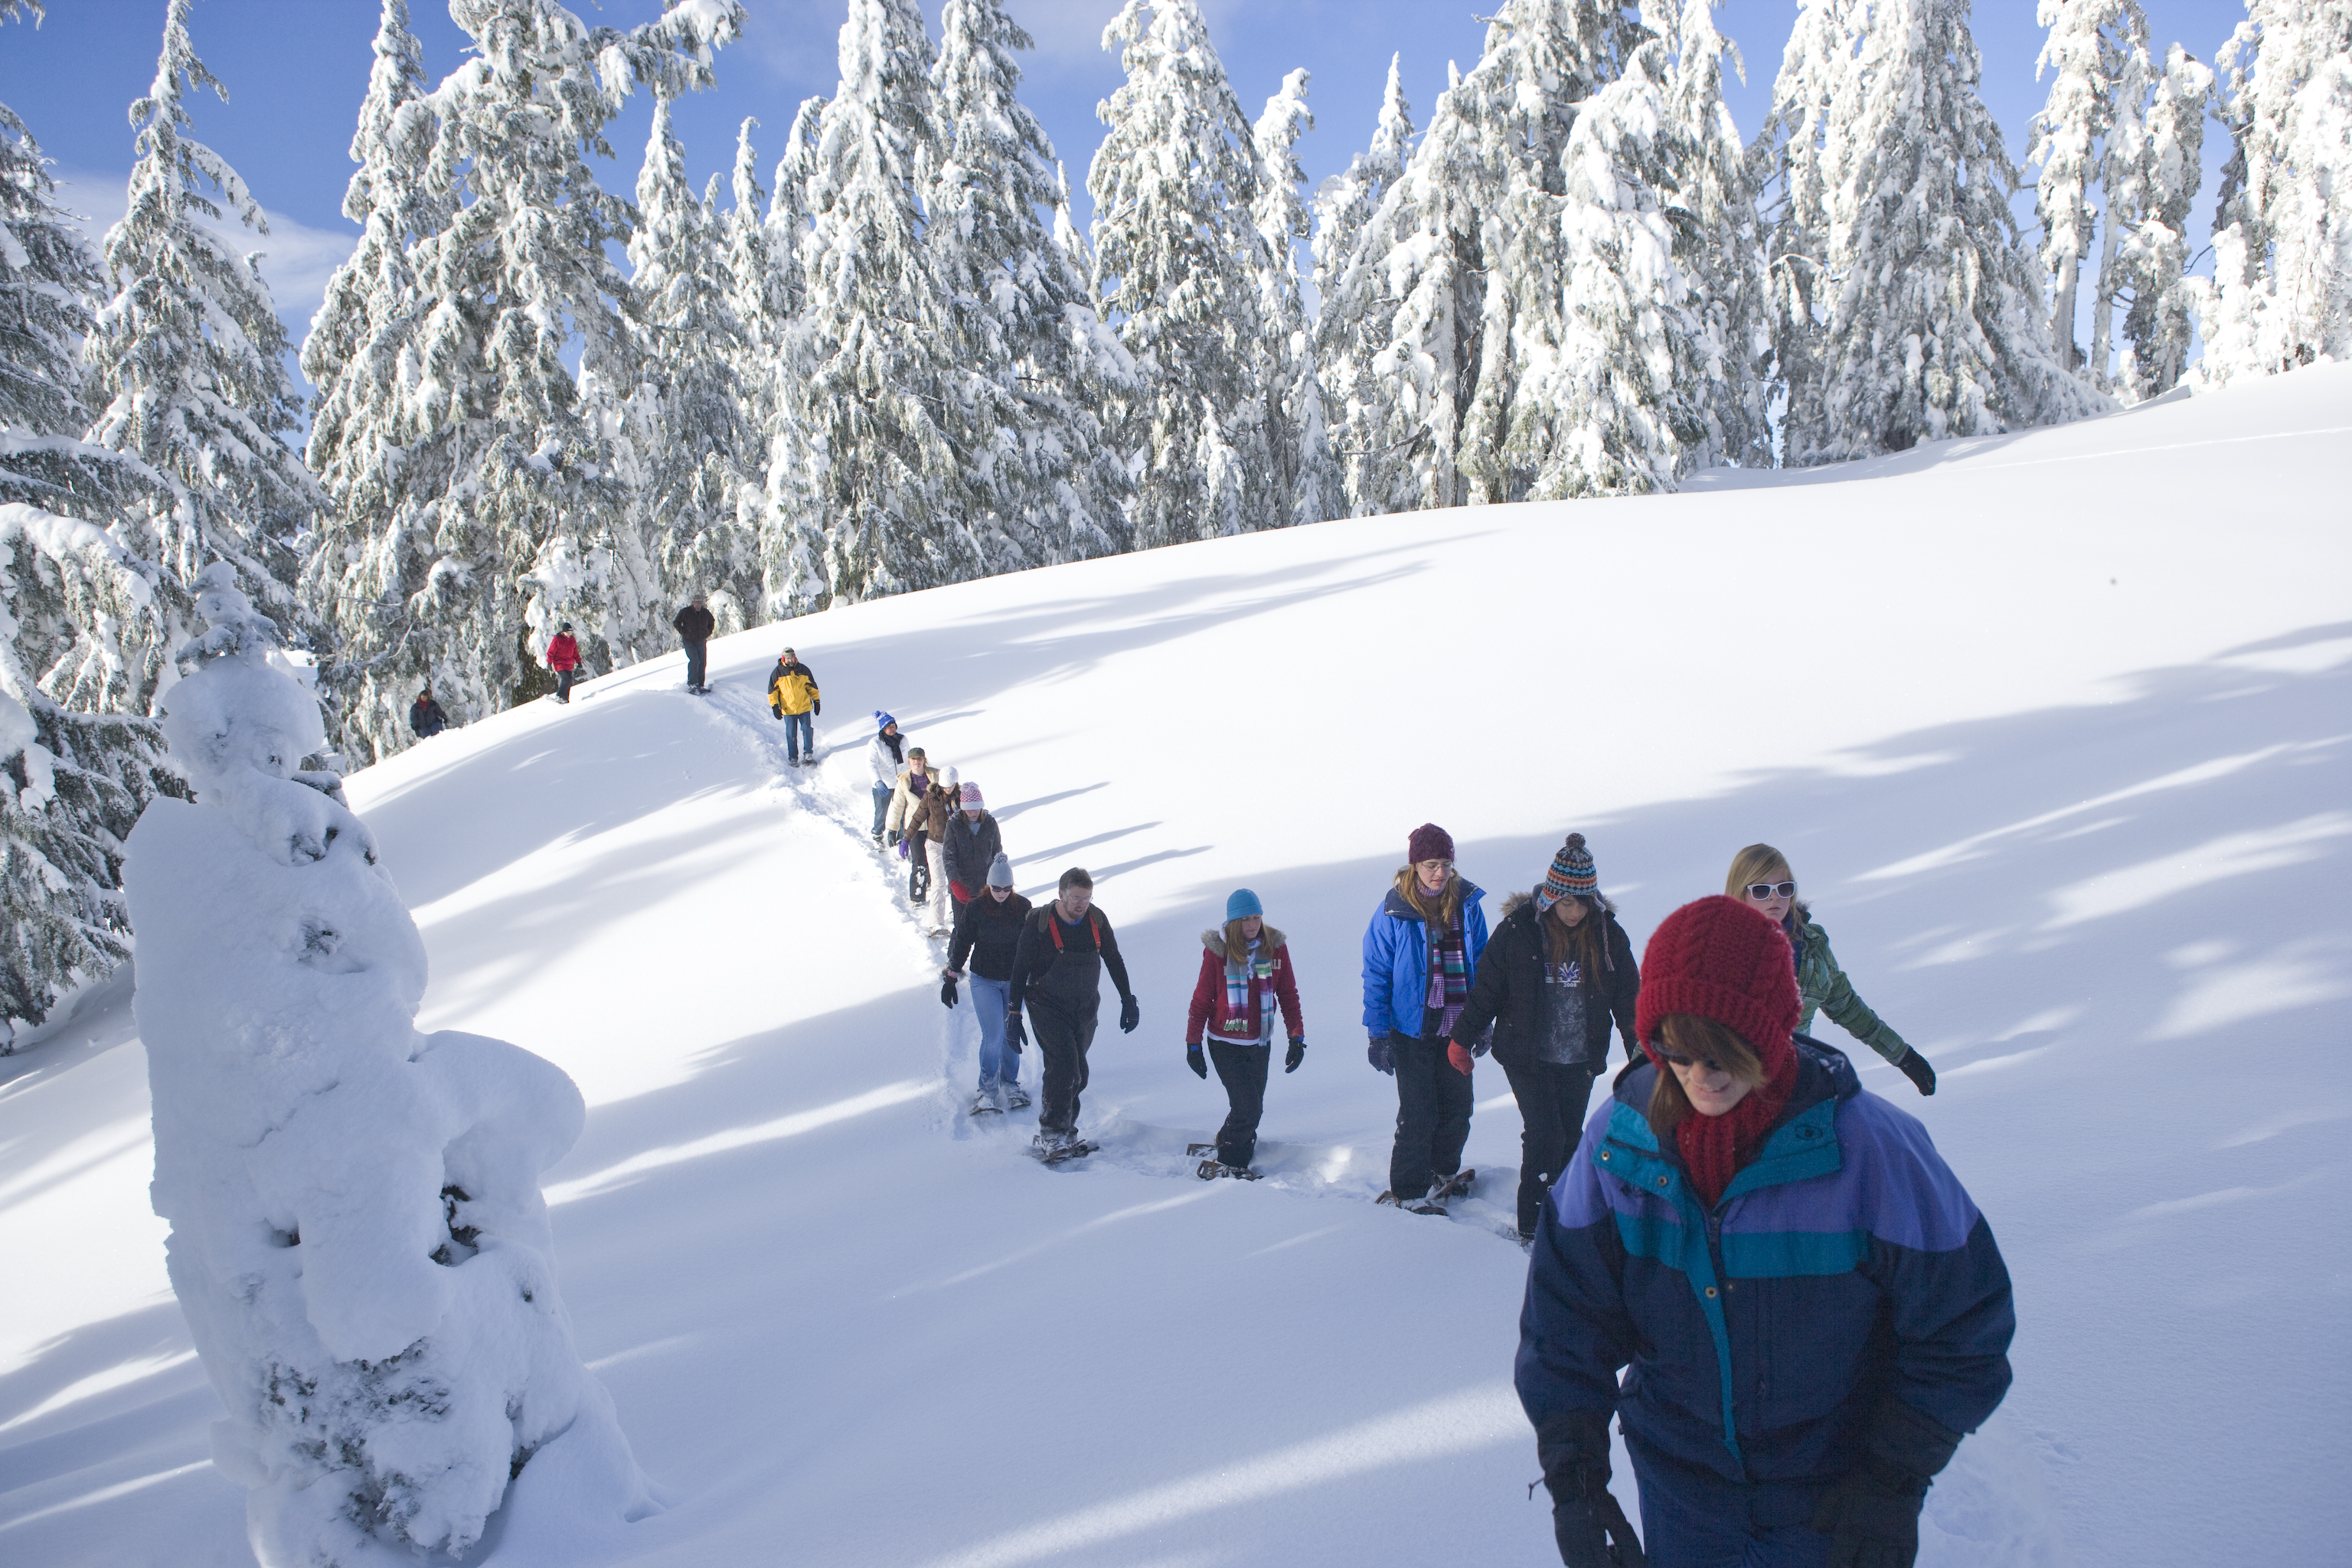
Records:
x=1760, y=891
x=1671, y=1060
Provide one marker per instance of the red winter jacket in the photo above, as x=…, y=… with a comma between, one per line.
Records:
x=1213, y=1004
x=563, y=652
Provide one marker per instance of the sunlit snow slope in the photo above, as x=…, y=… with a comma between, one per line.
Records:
x=2057, y=729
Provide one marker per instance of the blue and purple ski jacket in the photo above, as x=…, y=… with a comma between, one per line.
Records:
x=1844, y=1261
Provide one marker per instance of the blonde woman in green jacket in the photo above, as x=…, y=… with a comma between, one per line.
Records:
x=1761, y=880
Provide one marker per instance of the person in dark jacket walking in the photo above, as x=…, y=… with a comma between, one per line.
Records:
x=1761, y=876
x=424, y=715
x=1420, y=952
x=1558, y=972
x=564, y=658
x=987, y=932
x=1807, y=1309
x=694, y=625
x=793, y=696
x=1245, y=976
x=1057, y=969
x=971, y=842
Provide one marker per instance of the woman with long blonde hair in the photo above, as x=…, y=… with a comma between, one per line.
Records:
x=1420, y=952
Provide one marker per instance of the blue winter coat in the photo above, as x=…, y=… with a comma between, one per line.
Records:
x=1845, y=1260
x=1396, y=962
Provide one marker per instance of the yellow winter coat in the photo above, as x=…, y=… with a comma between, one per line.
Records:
x=793, y=688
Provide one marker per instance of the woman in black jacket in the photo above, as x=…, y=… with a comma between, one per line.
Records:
x=1558, y=972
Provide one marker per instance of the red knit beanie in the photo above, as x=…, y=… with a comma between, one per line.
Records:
x=1429, y=842
x=1720, y=959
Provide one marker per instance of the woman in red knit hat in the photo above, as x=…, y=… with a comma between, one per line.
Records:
x=1811, y=1309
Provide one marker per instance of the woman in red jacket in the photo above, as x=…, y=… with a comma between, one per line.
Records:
x=1245, y=975
x=564, y=658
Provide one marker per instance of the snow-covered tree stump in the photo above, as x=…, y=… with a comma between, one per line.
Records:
x=358, y=1238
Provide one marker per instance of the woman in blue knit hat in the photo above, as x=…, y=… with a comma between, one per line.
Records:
x=1245, y=976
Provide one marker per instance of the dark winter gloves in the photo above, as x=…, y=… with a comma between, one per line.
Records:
x=816, y=710
x=1915, y=1067
x=1196, y=1061
x=1129, y=1014
x=1587, y=1523
x=1459, y=1055
x=1872, y=1512
x=947, y=991
x=1379, y=1055
x=1015, y=1034
x=1296, y=1054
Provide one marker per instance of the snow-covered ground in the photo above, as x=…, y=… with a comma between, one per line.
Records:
x=2056, y=730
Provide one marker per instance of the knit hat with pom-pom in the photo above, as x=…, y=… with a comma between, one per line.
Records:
x=1721, y=959
x=1572, y=872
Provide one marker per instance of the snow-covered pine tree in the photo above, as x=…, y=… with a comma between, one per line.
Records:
x=188, y=359
x=1035, y=481
x=1906, y=309
x=469, y=478
x=791, y=523
x=1297, y=440
x=2096, y=56
x=2155, y=184
x=2281, y=289
x=1357, y=311
x=760, y=292
x=1175, y=182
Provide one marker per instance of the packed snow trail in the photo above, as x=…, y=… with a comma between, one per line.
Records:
x=2050, y=726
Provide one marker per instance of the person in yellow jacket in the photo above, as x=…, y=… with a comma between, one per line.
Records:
x=793, y=697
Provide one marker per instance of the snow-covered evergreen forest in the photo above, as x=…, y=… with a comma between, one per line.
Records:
x=883, y=357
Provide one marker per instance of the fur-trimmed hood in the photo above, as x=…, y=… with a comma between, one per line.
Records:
x=1269, y=939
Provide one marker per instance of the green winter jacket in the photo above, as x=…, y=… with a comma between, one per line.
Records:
x=1826, y=988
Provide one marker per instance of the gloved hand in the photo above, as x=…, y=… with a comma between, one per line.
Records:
x=1872, y=1512
x=1014, y=1035
x=1129, y=1014
x=1587, y=1524
x=1458, y=1055
x=1379, y=1055
x=816, y=710
x=947, y=991
x=777, y=715
x=1915, y=1067
x=1296, y=1054
x=1196, y=1061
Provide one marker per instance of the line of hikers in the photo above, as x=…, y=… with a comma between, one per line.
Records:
x=694, y=624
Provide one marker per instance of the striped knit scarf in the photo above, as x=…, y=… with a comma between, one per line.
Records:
x=1449, y=974
x=1238, y=977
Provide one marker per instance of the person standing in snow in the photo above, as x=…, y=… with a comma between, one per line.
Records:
x=1245, y=974
x=973, y=842
x=564, y=658
x=424, y=715
x=913, y=779
x=886, y=754
x=1812, y=1311
x=927, y=830
x=1058, y=968
x=1761, y=878
x=988, y=930
x=793, y=696
x=694, y=625
x=1559, y=971
x=1419, y=952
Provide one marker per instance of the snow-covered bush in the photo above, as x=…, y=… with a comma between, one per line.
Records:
x=357, y=1239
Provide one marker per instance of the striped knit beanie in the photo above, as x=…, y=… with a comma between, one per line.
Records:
x=1572, y=872
x=1721, y=959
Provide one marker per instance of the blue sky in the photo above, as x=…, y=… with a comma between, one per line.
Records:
x=296, y=70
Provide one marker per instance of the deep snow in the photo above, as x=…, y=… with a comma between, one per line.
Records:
x=2054, y=729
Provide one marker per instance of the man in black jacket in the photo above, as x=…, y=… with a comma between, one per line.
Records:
x=695, y=625
x=1057, y=969
x=424, y=715
x=988, y=930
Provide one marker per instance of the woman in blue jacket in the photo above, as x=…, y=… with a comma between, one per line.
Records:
x=1421, y=952
x=1808, y=1308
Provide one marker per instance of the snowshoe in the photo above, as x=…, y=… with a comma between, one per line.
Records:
x=1210, y=1170
x=1194, y=1151
x=1056, y=1149
x=1418, y=1205
x=1015, y=1099
x=1456, y=1185
x=984, y=1104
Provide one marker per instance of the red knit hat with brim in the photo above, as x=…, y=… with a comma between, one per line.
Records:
x=1721, y=959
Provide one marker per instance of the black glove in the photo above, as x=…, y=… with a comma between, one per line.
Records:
x=1296, y=1054
x=1587, y=1523
x=1381, y=1056
x=1014, y=1035
x=816, y=710
x=1129, y=1014
x=947, y=991
x=1915, y=1067
x=1196, y=1061
x=1872, y=1512
x=777, y=715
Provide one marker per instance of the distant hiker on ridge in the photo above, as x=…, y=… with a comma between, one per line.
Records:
x=885, y=753
x=1420, y=952
x=793, y=696
x=695, y=626
x=1057, y=970
x=973, y=841
x=1761, y=878
x=564, y=658
x=988, y=928
x=424, y=715
x=1245, y=974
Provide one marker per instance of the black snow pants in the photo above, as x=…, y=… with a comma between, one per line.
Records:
x=563, y=684
x=1062, y=1040
x=1242, y=1069
x=1433, y=1116
x=1552, y=1100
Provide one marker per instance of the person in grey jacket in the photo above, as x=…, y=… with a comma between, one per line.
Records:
x=970, y=843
